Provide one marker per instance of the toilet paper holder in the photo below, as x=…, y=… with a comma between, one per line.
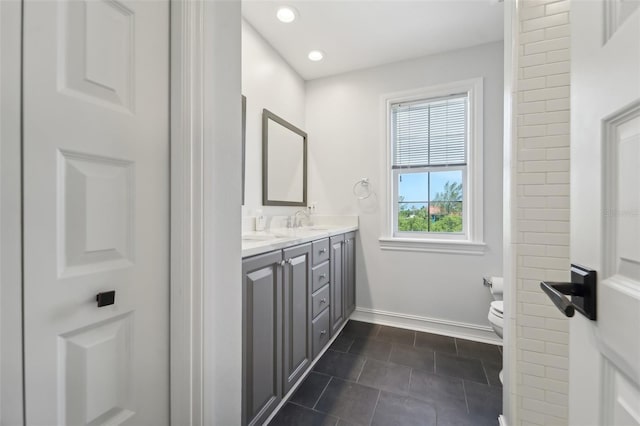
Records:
x=487, y=282
x=582, y=290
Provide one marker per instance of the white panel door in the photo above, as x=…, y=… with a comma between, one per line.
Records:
x=604, y=364
x=96, y=211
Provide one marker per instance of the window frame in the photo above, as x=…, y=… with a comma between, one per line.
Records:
x=470, y=241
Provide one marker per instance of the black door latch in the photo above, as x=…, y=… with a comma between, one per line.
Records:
x=106, y=298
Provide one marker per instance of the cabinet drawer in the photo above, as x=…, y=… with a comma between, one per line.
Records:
x=319, y=301
x=320, y=251
x=320, y=276
x=321, y=332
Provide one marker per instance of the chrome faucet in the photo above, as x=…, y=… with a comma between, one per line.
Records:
x=298, y=222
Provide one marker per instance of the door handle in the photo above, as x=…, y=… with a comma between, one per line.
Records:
x=582, y=290
x=106, y=298
x=556, y=292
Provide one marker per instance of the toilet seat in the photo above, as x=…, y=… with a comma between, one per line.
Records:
x=496, y=312
x=497, y=307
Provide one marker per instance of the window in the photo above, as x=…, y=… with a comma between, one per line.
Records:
x=434, y=165
x=429, y=164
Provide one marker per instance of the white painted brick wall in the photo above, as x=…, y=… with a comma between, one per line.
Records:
x=542, y=187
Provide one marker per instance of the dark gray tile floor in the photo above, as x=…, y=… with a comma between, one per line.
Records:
x=386, y=376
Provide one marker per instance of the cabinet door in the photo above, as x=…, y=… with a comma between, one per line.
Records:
x=262, y=336
x=350, y=273
x=337, y=281
x=296, y=335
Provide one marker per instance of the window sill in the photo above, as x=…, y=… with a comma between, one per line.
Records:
x=433, y=246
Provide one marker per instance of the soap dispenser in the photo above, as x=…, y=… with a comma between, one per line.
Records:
x=260, y=220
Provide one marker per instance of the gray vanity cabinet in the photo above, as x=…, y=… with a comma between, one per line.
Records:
x=294, y=300
x=336, y=278
x=262, y=335
x=349, y=273
x=297, y=354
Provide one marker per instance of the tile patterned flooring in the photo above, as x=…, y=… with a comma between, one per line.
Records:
x=386, y=376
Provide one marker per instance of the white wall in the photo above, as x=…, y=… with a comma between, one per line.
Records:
x=542, y=226
x=267, y=82
x=344, y=127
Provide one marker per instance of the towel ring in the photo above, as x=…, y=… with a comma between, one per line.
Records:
x=364, y=192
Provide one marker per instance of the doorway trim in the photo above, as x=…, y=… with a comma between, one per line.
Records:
x=11, y=383
x=510, y=415
x=206, y=188
x=186, y=207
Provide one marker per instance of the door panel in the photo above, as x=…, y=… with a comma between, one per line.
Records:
x=297, y=295
x=605, y=201
x=95, y=371
x=262, y=306
x=337, y=282
x=622, y=402
x=96, y=211
x=263, y=289
x=350, y=273
x=97, y=45
x=620, y=287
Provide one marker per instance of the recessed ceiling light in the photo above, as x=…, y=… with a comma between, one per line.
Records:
x=316, y=55
x=286, y=14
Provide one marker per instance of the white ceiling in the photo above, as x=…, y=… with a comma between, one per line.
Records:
x=356, y=34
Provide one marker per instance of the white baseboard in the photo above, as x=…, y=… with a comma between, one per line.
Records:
x=478, y=333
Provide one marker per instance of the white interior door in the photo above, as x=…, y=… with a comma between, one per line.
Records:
x=605, y=209
x=96, y=211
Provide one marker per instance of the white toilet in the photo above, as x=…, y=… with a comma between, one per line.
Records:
x=496, y=308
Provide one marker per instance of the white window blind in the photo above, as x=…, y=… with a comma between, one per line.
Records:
x=430, y=133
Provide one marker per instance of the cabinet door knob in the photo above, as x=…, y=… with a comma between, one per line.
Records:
x=323, y=332
x=281, y=263
x=322, y=276
x=289, y=261
x=323, y=300
x=322, y=251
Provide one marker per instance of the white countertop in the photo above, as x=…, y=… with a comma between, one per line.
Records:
x=258, y=242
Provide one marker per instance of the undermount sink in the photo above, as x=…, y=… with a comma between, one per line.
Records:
x=303, y=231
x=312, y=229
x=266, y=237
